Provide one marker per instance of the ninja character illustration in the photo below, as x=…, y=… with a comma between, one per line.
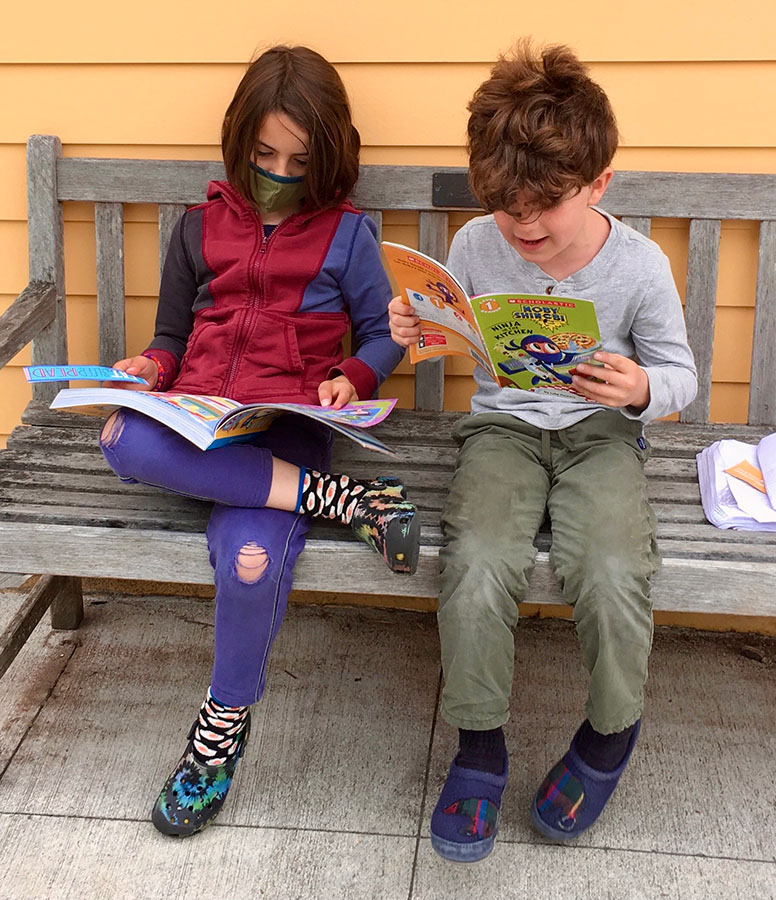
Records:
x=539, y=354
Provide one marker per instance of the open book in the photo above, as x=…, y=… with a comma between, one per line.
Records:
x=527, y=341
x=738, y=484
x=212, y=422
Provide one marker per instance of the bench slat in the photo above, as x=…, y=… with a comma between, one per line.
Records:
x=376, y=215
x=109, y=231
x=46, y=240
x=26, y=318
x=762, y=393
x=699, y=310
x=642, y=224
x=678, y=195
x=430, y=373
x=421, y=466
x=169, y=213
x=667, y=438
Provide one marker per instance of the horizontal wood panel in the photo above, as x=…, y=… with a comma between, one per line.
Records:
x=712, y=104
x=13, y=189
x=430, y=31
x=660, y=194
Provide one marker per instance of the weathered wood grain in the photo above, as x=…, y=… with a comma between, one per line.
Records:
x=46, y=590
x=430, y=374
x=762, y=394
x=699, y=310
x=376, y=215
x=169, y=213
x=642, y=224
x=32, y=311
x=678, y=195
x=46, y=242
x=111, y=330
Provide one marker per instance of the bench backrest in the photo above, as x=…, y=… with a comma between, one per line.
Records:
x=433, y=192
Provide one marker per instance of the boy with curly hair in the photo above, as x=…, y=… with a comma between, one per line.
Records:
x=542, y=135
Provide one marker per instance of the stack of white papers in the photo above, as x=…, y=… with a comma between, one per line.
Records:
x=738, y=484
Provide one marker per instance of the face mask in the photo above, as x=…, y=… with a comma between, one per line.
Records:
x=273, y=192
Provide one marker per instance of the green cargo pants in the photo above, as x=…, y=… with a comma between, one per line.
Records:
x=590, y=479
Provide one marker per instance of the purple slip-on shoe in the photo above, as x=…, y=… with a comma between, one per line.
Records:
x=562, y=817
x=464, y=823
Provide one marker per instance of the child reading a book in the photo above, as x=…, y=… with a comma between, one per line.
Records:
x=541, y=137
x=259, y=287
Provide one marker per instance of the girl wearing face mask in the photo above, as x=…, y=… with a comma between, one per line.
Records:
x=260, y=286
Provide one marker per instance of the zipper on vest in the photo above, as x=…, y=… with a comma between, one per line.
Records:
x=255, y=302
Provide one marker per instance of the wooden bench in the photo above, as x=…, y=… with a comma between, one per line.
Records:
x=65, y=515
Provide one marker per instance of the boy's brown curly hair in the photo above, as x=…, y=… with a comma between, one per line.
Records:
x=538, y=125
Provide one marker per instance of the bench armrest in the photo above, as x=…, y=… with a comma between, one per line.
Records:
x=26, y=317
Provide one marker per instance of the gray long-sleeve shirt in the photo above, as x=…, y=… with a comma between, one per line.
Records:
x=638, y=308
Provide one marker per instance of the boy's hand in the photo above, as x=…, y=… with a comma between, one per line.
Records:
x=622, y=382
x=136, y=365
x=405, y=325
x=337, y=392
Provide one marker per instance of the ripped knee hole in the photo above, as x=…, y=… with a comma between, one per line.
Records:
x=251, y=562
x=111, y=430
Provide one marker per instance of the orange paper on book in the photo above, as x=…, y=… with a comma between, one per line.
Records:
x=748, y=473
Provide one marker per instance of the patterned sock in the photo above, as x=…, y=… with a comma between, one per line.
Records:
x=216, y=731
x=485, y=751
x=602, y=751
x=336, y=496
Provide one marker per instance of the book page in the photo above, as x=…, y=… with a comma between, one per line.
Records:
x=210, y=422
x=766, y=460
x=751, y=501
x=257, y=416
x=193, y=417
x=350, y=420
x=447, y=323
x=535, y=340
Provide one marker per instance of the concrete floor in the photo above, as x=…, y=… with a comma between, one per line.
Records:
x=347, y=757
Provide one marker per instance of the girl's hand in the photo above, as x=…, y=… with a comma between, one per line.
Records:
x=404, y=323
x=136, y=365
x=337, y=392
x=622, y=382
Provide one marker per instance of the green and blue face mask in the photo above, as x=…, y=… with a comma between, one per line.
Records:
x=273, y=192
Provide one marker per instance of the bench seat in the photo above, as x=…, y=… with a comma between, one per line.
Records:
x=63, y=511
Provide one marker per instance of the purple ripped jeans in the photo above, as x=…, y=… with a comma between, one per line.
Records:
x=241, y=532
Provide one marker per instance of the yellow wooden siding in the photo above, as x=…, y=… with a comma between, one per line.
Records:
x=403, y=30
x=691, y=87
x=402, y=105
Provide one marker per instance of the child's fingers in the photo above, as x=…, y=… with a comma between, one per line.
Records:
x=336, y=393
x=405, y=336
x=136, y=365
x=613, y=360
x=400, y=306
x=325, y=393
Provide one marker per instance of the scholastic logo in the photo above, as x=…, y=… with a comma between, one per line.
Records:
x=422, y=263
x=541, y=302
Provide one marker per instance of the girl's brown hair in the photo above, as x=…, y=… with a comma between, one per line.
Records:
x=306, y=87
x=538, y=125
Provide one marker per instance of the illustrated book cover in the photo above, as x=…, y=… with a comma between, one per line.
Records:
x=527, y=341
